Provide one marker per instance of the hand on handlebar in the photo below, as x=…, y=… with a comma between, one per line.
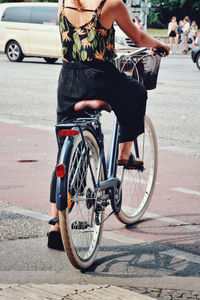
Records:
x=161, y=51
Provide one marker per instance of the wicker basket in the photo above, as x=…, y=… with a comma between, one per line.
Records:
x=143, y=67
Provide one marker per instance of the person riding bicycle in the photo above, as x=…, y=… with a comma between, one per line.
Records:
x=87, y=73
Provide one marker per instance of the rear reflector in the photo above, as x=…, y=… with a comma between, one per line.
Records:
x=60, y=170
x=195, y=44
x=68, y=132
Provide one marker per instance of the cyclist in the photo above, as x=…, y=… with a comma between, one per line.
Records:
x=87, y=36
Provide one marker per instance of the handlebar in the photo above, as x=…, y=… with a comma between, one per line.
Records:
x=126, y=51
x=160, y=51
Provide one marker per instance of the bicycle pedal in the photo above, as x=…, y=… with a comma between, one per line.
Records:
x=54, y=221
x=139, y=167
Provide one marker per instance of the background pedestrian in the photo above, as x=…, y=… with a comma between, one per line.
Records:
x=180, y=31
x=186, y=31
x=193, y=32
x=173, y=33
x=138, y=23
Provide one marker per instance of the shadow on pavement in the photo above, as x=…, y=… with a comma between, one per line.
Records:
x=129, y=261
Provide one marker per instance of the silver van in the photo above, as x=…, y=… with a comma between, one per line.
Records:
x=29, y=29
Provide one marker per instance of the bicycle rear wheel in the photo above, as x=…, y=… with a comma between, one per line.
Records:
x=80, y=233
x=138, y=185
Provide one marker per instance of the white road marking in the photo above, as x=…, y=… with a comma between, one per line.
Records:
x=111, y=235
x=28, y=213
x=10, y=121
x=46, y=217
x=172, y=221
x=186, y=191
x=182, y=255
x=24, y=124
x=165, y=219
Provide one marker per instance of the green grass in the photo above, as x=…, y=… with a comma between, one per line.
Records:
x=156, y=31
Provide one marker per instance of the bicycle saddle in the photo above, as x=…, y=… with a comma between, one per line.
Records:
x=97, y=105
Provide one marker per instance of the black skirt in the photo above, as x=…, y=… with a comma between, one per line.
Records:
x=172, y=34
x=101, y=80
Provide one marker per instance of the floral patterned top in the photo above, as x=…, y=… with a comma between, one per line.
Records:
x=88, y=42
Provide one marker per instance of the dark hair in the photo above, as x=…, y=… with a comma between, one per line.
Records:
x=187, y=19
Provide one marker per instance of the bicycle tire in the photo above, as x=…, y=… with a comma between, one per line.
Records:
x=138, y=185
x=81, y=240
x=198, y=61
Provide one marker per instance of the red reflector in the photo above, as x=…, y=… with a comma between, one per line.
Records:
x=195, y=44
x=60, y=170
x=68, y=132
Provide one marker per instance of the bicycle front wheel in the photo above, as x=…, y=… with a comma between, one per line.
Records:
x=138, y=185
x=80, y=232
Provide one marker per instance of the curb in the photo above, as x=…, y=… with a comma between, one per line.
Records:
x=67, y=292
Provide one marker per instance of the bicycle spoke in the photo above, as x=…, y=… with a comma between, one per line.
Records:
x=138, y=185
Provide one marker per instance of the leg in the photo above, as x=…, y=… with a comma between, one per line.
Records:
x=124, y=150
x=126, y=158
x=66, y=98
x=54, y=235
x=54, y=213
x=176, y=41
x=170, y=43
x=185, y=44
x=129, y=107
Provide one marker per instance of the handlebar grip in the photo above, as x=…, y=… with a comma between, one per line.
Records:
x=161, y=51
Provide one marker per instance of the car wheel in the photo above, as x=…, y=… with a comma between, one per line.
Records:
x=14, y=51
x=50, y=60
x=198, y=61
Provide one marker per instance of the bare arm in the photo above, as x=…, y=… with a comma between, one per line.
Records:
x=60, y=7
x=138, y=37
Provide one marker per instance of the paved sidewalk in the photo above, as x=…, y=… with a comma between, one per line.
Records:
x=67, y=292
x=29, y=270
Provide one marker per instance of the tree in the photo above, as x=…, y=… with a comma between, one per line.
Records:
x=165, y=9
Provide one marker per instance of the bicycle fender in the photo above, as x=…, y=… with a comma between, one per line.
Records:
x=61, y=184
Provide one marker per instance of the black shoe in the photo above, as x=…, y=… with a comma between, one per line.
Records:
x=55, y=240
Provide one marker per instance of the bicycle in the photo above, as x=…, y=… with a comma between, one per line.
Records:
x=88, y=183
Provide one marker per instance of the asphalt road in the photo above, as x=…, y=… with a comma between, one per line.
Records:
x=163, y=251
